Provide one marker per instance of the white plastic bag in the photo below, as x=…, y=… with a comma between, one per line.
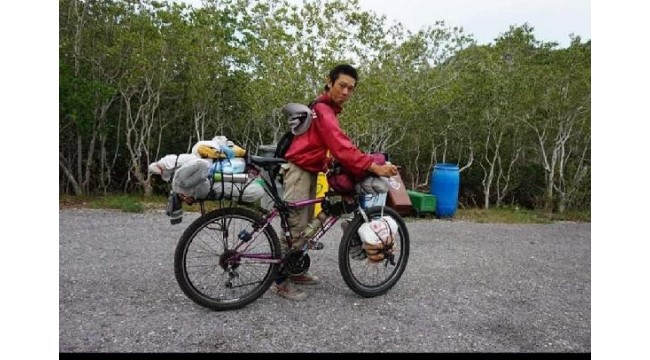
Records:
x=379, y=231
x=167, y=164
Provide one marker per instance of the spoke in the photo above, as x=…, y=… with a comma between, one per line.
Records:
x=216, y=284
x=247, y=284
x=257, y=243
x=203, y=257
x=206, y=274
x=202, y=244
x=196, y=266
x=219, y=229
x=256, y=263
x=256, y=275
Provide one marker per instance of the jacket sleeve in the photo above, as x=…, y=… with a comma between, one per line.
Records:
x=341, y=147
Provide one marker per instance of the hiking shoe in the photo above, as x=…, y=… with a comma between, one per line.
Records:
x=304, y=279
x=288, y=292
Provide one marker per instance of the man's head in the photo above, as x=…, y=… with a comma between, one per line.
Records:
x=341, y=82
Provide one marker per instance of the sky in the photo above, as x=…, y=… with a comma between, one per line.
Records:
x=552, y=20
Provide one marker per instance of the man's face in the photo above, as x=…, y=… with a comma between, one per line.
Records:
x=341, y=90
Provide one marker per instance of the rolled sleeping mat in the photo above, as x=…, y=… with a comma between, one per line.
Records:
x=192, y=173
x=372, y=185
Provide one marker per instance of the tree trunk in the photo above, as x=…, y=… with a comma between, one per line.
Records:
x=488, y=174
x=139, y=128
x=503, y=191
x=69, y=175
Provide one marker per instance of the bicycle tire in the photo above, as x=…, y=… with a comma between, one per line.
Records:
x=206, y=235
x=347, y=264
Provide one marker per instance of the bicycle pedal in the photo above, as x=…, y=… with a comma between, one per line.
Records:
x=315, y=245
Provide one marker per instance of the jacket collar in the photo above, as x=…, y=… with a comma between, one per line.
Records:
x=325, y=98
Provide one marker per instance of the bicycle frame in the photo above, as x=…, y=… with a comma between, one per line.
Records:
x=281, y=208
x=267, y=221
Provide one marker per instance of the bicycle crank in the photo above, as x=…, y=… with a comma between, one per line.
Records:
x=296, y=262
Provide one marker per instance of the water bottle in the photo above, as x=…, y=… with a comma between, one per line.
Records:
x=174, y=209
x=233, y=178
x=315, y=224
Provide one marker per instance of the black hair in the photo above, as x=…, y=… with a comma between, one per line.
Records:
x=342, y=69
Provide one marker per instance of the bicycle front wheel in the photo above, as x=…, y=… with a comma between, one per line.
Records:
x=221, y=264
x=373, y=278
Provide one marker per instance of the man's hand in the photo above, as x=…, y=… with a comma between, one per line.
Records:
x=383, y=170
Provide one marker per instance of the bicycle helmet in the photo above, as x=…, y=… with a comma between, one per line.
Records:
x=299, y=117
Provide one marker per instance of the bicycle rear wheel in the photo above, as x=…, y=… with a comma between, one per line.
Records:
x=365, y=277
x=216, y=273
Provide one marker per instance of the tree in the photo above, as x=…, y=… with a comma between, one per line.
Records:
x=141, y=79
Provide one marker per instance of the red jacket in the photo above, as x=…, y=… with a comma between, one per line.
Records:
x=309, y=150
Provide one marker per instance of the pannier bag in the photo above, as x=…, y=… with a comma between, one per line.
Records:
x=345, y=183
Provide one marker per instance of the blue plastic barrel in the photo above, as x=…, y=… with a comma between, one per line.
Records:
x=445, y=183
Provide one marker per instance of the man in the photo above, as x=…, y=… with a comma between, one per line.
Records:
x=307, y=156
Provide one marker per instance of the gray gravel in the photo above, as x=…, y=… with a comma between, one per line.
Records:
x=467, y=288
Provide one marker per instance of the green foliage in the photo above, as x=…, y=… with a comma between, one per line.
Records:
x=132, y=203
x=77, y=97
x=506, y=215
x=124, y=203
x=142, y=79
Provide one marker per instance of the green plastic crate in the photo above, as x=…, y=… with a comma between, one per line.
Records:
x=422, y=203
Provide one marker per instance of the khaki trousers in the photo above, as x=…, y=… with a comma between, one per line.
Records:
x=298, y=185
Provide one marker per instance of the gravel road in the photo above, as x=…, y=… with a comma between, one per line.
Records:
x=468, y=287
